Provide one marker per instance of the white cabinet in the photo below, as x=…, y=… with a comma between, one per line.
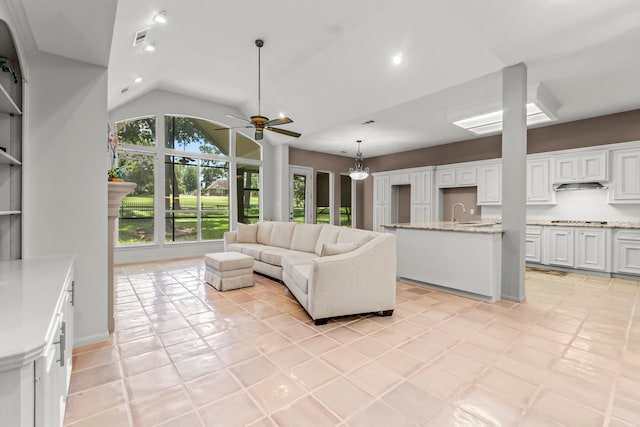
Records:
x=381, y=190
x=421, y=196
x=584, y=167
x=421, y=187
x=578, y=247
x=36, y=309
x=560, y=246
x=446, y=177
x=490, y=184
x=533, y=244
x=463, y=176
x=538, y=184
x=381, y=201
x=381, y=215
x=466, y=176
x=591, y=249
x=625, y=186
x=626, y=248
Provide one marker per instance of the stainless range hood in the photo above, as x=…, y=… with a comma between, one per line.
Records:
x=579, y=186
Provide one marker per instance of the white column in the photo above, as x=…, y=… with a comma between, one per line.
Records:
x=514, y=159
x=281, y=179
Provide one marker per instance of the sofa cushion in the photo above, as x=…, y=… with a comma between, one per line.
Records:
x=337, y=248
x=281, y=234
x=295, y=258
x=247, y=233
x=237, y=247
x=305, y=237
x=301, y=275
x=329, y=234
x=264, y=232
x=353, y=235
x=274, y=255
x=254, y=249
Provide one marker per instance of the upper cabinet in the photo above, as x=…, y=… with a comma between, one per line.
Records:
x=584, y=167
x=538, y=185
x=625, y=186
x=421, y=187
x=490, y=184
x=381, y=190
x=463, y=176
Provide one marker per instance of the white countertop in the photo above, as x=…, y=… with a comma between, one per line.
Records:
x=30, y=291
x=484, y=227
x=609, y=224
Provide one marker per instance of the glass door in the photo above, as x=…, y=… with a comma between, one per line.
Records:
x=300, y=198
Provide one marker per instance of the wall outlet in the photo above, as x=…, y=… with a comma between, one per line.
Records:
x=472, y=211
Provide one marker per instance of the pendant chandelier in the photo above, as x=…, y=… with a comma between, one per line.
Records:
x=359, y=173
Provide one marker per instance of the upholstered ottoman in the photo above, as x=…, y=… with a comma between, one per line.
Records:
x=228, y=270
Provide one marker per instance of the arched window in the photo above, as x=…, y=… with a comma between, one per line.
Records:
x=199, y=157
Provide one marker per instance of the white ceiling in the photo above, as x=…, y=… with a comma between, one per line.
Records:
x=328, y=65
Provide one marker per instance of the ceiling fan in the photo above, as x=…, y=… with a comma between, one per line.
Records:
x=260, y=122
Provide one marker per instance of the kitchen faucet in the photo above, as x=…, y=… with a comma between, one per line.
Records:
x=453, y=211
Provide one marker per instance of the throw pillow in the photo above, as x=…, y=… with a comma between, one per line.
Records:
x=247, y=233
x=329, y=249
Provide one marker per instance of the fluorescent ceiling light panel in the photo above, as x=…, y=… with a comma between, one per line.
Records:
x=492, y=122
x=541, y=107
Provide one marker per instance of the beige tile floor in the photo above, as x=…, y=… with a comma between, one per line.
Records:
x=186, y=355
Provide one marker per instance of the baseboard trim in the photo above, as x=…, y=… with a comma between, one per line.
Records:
x=91, y=339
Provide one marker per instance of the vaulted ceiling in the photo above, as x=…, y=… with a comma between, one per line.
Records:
x=328, y=65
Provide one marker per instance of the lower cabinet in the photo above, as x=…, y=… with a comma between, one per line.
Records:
x=591, y=245
x=579, y=247
x=626, y=251
x=560, y=246
x=35, y=364
x=533, y=244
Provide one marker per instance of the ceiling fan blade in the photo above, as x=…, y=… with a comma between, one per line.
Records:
x=279, y=121
x=285, y=132
x=259, y=135
x=237, y=118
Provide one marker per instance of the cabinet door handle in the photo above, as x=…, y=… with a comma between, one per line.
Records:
x=62, y=342
x=72, y=291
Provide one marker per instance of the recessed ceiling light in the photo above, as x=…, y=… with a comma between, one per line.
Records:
x=149, y=48
x=137, y=79
x=397, y=59
x=160, y=17
x=282, y=115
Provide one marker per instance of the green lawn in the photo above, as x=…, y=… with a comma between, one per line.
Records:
x=136, y=221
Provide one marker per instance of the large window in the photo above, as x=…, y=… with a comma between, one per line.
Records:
x=195, y=193
x=136, y=156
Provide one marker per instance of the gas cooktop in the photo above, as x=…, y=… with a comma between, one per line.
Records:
x=572, y=222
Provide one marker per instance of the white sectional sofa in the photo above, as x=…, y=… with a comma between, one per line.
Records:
x=332, y=271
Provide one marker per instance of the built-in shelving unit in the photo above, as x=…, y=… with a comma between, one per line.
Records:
x=10, y=151
x=7, y=105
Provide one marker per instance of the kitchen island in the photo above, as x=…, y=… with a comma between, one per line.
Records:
x=461, y=257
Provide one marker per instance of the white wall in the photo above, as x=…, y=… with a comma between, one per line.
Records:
x=160, y=103
x=588, y=205
x=64, y=184
x=581, y=205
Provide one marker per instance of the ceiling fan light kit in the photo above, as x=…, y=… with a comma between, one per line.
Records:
x=260, y=122
x=359, y=173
